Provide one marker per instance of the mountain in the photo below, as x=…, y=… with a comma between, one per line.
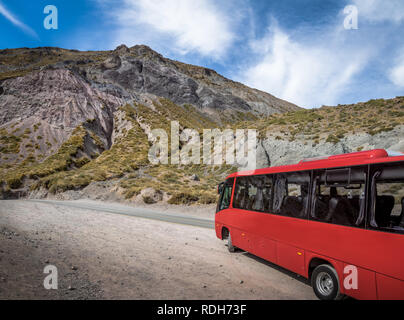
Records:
x=70, y=118
x=78, y=124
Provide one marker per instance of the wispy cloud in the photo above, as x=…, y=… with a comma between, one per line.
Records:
x=15, y=21
x=396, y=74
x=380, y=10
x=390, y=12
x=197, y=26
x=310, y=63
x=308, y=74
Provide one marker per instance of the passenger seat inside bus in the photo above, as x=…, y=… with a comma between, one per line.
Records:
x=398, y=221
x=258, y=202
x=242, y=199
x=342, y=211
x=384, y=207
x=294, y=206
x=321, y=205
x=291, y=206
x=401, y=220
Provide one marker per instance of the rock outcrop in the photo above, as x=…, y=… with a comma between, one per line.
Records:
x=275, y=152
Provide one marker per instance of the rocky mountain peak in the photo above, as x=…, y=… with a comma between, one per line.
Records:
x=122, y=49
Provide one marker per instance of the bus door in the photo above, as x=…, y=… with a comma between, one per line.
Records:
x=252, y=203
x=223, y=211
x=291, y=203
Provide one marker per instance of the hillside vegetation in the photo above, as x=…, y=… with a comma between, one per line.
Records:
x=331, y=124
x=126, y=161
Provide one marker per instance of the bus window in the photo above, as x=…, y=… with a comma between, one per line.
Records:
x=291, y=194
x=387, y=197
x=339, y=196
x=241, y=193
x=225, y=197
x=267, y=193
x=253, y=193
x=262, y=200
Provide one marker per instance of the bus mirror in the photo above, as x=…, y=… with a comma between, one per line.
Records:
x=220, y=188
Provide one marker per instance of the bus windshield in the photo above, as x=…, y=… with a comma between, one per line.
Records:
x=225, y=196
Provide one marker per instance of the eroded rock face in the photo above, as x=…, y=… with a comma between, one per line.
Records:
x=59, y=97
x=48, y=105
x=113, y=62
x=128, y=72
x=276, y=152
x=145, y=71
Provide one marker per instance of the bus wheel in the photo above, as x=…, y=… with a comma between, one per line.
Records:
x=324, y=281
x=230, y=246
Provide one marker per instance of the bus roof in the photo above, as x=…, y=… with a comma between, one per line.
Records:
x=342, y=160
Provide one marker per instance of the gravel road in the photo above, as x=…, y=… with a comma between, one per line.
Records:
x=102, y=254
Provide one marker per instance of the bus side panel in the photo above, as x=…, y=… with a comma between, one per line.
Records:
x=389, y=288
x=263, y=247
x=218, y=229
x=289, y=235
x=372, y=250
x=291, y=258
x=234, y=220
x=386, y=255
x=238, y=238
x=366, y=284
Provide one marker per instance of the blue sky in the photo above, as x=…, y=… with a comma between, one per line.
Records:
x=297, y=50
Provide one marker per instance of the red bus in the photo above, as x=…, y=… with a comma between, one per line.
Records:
x=338, y=221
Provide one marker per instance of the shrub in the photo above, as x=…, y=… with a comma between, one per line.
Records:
x=206, y=198
x=183, y=198
x=148, y=200
x=15, y=183
x=131, y=192
x=81, y=162
x=332, y=139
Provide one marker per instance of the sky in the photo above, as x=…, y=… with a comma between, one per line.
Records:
x=309, y=52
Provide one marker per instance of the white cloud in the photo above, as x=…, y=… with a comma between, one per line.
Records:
x=396, y=74
x=200, y=26
x=10, y=17
x=308, y=75
x=380, y=10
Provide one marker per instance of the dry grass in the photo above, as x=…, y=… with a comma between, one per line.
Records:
x=24, y=60
x=331, y=124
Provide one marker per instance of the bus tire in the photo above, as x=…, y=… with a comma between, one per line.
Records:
x=230, y=246
x=325, y=283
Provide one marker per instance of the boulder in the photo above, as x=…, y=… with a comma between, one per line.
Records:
x=113, y=62
x=151, y=195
